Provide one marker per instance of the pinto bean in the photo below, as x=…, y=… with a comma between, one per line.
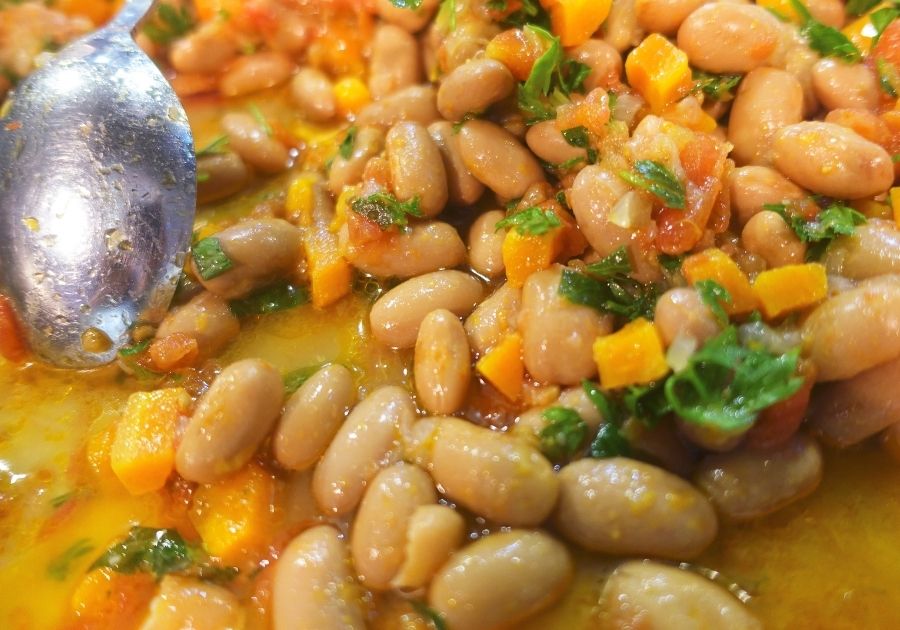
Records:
x=250, y=141
x=206, y=318
x=855, y=330
x=754, y=186
x=203, y=51
x=416, y=103
x=426, y=247
x=664, y=16
x=260, y=250
x=383, y=519
x=184, y=602
x=767, y=100
x=468, y=39
x=496, y=476
x=500, y=580
x=497, y=159
x=548, y=143
x=368, y=143
x=745, y=484
x=313, y=588
x=493, y=318
x=417, y=168
x=395, y=61
x=770, y=237
x=729, y=37
x=486, y=244
x=890, y=441
x=839, y=84
x=604, y=61
x=462, y=186
x=547, y=320
x=396, y=316
x=412, y=20
x=312, y=416
x=231, y=420
x=849, y=411
x=621, y=28
x=223, y=175
x=442, y=363
x=365, y=443
x=832, y=160
x=872, y=250
x=622, y=506
x=681, y=312
x=313, y=94
x=256, y=72
x=653, y=595
x=433, y=534
x=799, y=61
x=473, y=87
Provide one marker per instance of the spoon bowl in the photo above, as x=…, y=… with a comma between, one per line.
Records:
x=97, y=196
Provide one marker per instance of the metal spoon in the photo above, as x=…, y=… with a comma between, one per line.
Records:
x=97, y=195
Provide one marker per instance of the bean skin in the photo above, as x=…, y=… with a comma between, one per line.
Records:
x=416, y=103
x=412, y=20
x=434, y=533
x=621, y=29
x=184, y=602
x=767, y=100
x=249, y=140
x=723, y=37
x=208, y=319
x=604, y=61
x=204, y=51
x=223, y=176
x=500, y=580
x=770, y=237
x=397, y=315
x=312, y=93
x=548, y=143
x=394, y=63
x=664, y=16
x=442, y=363
x=497, y=159
x=417, y=168
x=463, y=188
x=752, y=187
x=425, y=248
x=256, y=72
x=624, y=507
x=349, y=171
x=872, y=250
x=231, y=420
x=486, y=244
x=493, y=318
x=473, y=87
x=839, y=84
x=681, y=312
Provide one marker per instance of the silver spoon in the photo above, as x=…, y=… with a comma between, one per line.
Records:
x=97, y=194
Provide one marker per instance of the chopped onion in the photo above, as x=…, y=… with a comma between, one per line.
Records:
x=680, y=352
x=631, y=211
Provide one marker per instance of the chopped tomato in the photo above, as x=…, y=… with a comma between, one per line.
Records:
x=517, y=50
x=362, y=230
x=174, y=351
x=888, y=46
x=12, y=342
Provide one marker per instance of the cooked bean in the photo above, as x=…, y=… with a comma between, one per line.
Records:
x=840, y=84
x=529, y=424
x=469, y=38
x=184, y=602
x=549, y=321
x=497, y=159
x=745, y=484
x=207, y=318
x=493, y=318
x=832, y=160
x=828, y=12
x=652, y=595
x=416, y=103
x=462, y=186
x=890, y=441
x=204, y=51
x=312, y=416
x=396, y=316
x=664, y=16
x=473, y=87
x=729, y=37
x=799, y=61
x=622, y=506
x=260, y=250
x=368, y=143
x=855, y=330
x=754, y=186
x=253, y=143
x=770, y=237
x=417, y=168
x=500, y=580
x=767, y=100
x=442, y=363
x=681, y=312
x=313, y=588
x=849, y=411
x=621, y=28
x=222, y=176
x=256, y=72
x=313, y=94
x=231, y=420
x=660, y=445
x=408, y=18
x=394, y=63
x=548, y=143
x=426, y=247
x=433, y=534
x=382, y=521
x=365, y=443
x=494, y=475
x=872, y=250
x=604, y=61
x=486, y=244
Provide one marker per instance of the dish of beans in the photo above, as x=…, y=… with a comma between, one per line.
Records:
x=498, y=314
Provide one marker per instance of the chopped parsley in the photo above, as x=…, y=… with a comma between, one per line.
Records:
x=169, y=24
x=615, y=263
x=656, y=179
x=825, y=40
x=714, y=295
x=563, y=434
x=271, y=299
x=609, y=441
x=881, y=18
x=552, y=79
x=858, y=7
x=386, y=210
x=835, y=220
x=210, y=259
x=216, y=147
x=413, y=5
x=294, y=379
x=447, y=14
x=647, y=403
x=530, y=13
x=606, y=287
x=578, y=137
x=716, y=87
x=888, y=79
x=532, y=221
x=670, y=263
x=345, y=150
x=59, y=567
x=134, y=349
x=260, y=119
x=431, y=615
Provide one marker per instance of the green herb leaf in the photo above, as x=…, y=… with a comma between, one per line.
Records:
x=271, y=299
x=386, y=210
x=615, y=263
x=210, y=259
x=725, y=385
x=59, y=567
x=563, y=434
x=714, y=295
x=579, y=137
x=169, y=24
x=858, y=7
x=552, y=79
x=670, y=263
x=430, y=614
x=216, y=147
x=716, y=87
x=530, y=13
x=887, y=77
x=534, y=221
x=60, y=500
x=610, y=410
x=607, y=288
x=345, y=150
x=825, y=40
x=260, y=118
x=895, y=158
x=447, y=14
x=647, y=403
x=134, y=349
x=656, y=179
x=202, y=176
x=294, y=380
x=407, y=4
x=881, y=18
x=609, y=442
x=835, y=220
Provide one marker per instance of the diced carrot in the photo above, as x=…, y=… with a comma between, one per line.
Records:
x=143, y=452
x=300, y=199
x=524, y=254
x=330, y=275
x=232, y=515
x=503, y=367
x=574, y=21
x=790, y=288
x=12, y=342
x=174, y=351
x=97, y=11
x=659, y=71
x=633, y=355
x=861, y=31
x=108, y=599
x=517, y=49
x=714, y=264
x=895, y=204
x=783, y=8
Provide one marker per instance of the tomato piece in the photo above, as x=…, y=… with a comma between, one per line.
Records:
x=517, y=50
x=888, y=46
x=174, y=351
x=12, y=341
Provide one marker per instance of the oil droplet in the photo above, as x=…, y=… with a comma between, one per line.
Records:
x=95, y=340
x=31, y=223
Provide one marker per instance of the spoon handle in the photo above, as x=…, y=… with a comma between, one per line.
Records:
x=130, y=15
